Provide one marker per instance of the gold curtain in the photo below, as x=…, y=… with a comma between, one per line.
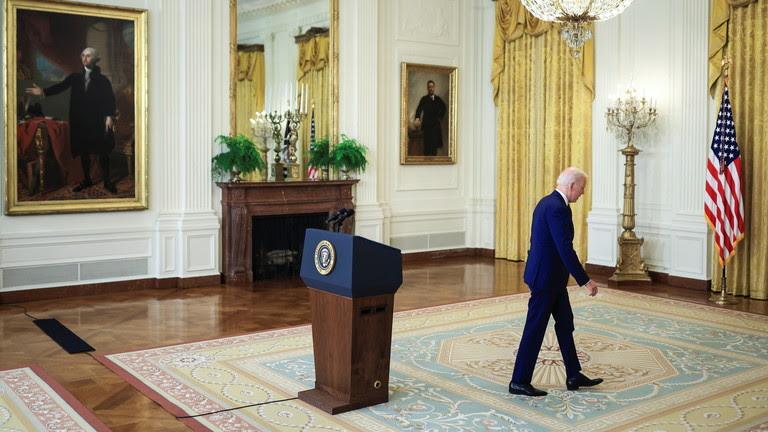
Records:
x=314, y=72
x=740, y=28
x=544, y=99
x=249, y=94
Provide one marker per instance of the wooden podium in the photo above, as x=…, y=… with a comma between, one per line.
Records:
x=352, y=284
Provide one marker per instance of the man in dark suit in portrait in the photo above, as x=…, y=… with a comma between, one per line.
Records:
x=550, y=260
x=429, y=114
x=91, y=116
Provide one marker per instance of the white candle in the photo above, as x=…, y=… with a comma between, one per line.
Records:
x=286, y=98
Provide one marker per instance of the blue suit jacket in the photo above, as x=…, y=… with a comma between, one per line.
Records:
x=551, y=256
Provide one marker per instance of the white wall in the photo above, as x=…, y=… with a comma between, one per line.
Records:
x=179, y=235
x=661, y=45
x=420, y=207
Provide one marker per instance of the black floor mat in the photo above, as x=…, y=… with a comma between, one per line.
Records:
x=63, y=336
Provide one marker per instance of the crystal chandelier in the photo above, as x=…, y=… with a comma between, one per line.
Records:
x=574, y=16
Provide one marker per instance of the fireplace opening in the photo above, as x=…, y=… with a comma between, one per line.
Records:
x=278, y=242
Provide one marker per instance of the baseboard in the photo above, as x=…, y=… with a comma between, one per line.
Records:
x=697, y=284
x=657, y=277
x=106, y=288
x=447, y=253
x=601, y=270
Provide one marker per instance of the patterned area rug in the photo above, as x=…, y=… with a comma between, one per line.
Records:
x=30, y=400
x=667, y=366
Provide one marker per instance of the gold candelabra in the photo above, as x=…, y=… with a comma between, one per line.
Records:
x=626, y=117
x=41, y=141
x=286, y=164
x=294, y=118
x=276, y=119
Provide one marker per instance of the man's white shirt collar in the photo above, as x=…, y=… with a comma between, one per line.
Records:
x=562, y=195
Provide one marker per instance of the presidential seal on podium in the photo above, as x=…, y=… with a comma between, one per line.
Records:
x=325, y=257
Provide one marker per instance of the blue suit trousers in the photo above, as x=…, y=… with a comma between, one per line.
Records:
x=543, y=303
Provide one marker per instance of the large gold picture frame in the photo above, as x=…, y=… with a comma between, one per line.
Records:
x=59, y=157
x=428, y=101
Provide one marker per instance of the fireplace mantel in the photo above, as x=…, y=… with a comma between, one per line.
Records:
x=240, y=202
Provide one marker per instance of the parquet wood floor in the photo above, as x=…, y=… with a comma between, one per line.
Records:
x=142, y=319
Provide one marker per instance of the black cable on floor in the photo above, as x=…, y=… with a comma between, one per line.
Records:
x=22, y=308
x=236, y=408
x=178, y=417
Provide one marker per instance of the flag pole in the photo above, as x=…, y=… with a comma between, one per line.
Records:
x=721, y=299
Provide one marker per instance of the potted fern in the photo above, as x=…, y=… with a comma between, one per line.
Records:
x=241, y=157
x=320, y=156
x=348, y=156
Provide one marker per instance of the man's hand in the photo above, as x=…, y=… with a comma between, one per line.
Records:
x=591, y=287
x=417, y=122
x=34, y=90
x=110, y=124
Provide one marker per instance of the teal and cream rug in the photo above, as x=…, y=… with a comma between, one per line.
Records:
x=667, y=365
x=32, y=401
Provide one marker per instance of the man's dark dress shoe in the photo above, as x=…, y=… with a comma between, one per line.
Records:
x=108, y=185
x=85, y=184
x=581, y=381
x=525, y=390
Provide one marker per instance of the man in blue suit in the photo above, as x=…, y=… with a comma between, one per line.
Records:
x=550, y=260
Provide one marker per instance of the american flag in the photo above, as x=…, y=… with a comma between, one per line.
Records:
x=723, y=203
x=312, y=172
x=312, y=128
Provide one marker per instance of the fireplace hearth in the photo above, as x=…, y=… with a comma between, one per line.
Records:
x=278, y=243
x=245, y=205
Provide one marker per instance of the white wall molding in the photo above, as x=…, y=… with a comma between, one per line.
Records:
x=482, y=156
x=22, y=251
x=428, y=21
x=481, y=223
x=250, y=9
x=260, y=30
x=418, y=222
x=668, y=60
x=359, y=110
x=372, y=222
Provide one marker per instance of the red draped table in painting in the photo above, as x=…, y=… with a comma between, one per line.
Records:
x=38, y=138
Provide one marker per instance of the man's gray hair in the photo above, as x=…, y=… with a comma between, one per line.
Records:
x=570, y=175
x=94, y=53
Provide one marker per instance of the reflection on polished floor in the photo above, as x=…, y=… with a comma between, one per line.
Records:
x=142, y=319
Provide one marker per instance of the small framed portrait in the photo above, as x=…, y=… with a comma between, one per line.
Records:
x=427, y=114
x=76, y=107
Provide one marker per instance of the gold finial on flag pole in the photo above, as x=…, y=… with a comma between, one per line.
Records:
x=725, y=67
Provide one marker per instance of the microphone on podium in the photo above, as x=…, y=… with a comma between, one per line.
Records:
x=347, y=213
x=334, y=217
x=338, y=218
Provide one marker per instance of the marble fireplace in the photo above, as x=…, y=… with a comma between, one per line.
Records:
x=246, y=205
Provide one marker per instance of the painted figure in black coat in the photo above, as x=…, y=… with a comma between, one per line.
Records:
x=91, y=116
x=429, y=114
